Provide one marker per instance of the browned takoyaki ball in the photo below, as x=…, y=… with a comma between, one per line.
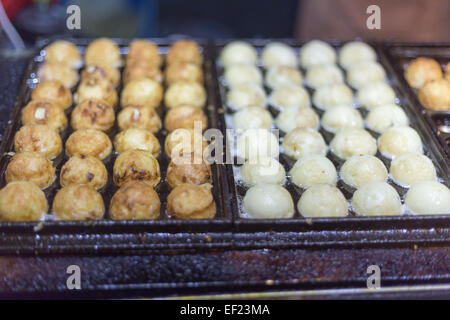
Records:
x=183, y=71
x=32, y=167
x=188, y=169
x=93, y=114
x=53, y=90
x=191, y=201
x=422, y=70
x=103, y=51
x=142, y=50
x=143, y=91
x=135, y=138
x=81, y=169
x=38, y=138
x=135, y=200
x=184, y=51
x=89, y=142
x=136, y=165
x=144, y=118
x=139, y=70
x=182, y=141
x=102, y=72
x=58, y=71
x=63, y=51
x=184, y=92
x=44, y=112
x=78, y=202
x=435, y=95
x=185, y=116
x=95, y=88
x=22, y=201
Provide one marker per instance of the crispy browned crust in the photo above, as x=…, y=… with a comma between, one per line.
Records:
x=53, y=90
x=191, y=201
x=81, y=169
x=93, y=114
x=137, y=165
x=38, y=138
x=89, y=142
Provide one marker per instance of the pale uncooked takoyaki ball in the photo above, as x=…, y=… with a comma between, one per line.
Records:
x=255, y=143
x=241, y=73
x=268, y=201
x=238, y=52
x=375, y=94
x=324, y=75
x=58, y=71
x=359, y=170
x=302, y=142
x=412, y=168
x=144, y=118
x=38, y=138
x=313, y=169
x=262, y=170
x=63, y=51
x=282, y=76
x=351, y=142
x=95, y=88
x=383, y=117
x=317, y=52
x=278, y=54
x=143, y=91
x=337, y=94
x=89, y=142
x=245, y=95
x=355, y=52
x=184, y=92
x=428, y=197
x=290, y=96
x=397, y=141
x=103, y=51
x=136, y=165
x=365, y=72
x=135, y=138
x=295, y=117
x=44, y=112
x=78, y=202
x=341, y=117
x=53, y=90
x=321, y=201
x=376, y=199
x=81, y=169
x=252, y=118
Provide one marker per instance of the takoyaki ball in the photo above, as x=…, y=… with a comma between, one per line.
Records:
x=324, y=75
x=316, y=52
x=412, y=168
x=295, y=117
x=322, y=201
x=278, y=54
x=375, y=94
x=102, y=72
x=22, y=201
x=351, y=142
x=340, y=117
x=38, y=138
x=93, y=114
x=63, y=51
x=135, y=138
x=191, y=201
x=142, y=50
x=268, y=201
x=60, y=72
x=81, y=169
x=53, y=90
x=400, y=140
x=257, y=143
x=32, y=167
x=78, y=202
x=183, y=71
x=302, y=142
x=144, y=118
x=359, y=170
x=188, y=169
x=238, y=74
x=184, y=51
x=290, y=96
x=435, y=95
x=135, y=200
x=355, y=52
x=143, y=91
x=262, y=170
x=365, y=72
x=136, y=165
x=238, y=52
x=246, y=95
x=422, y=70
x=184, y=141
x=89, y=142
x=447, y=72
x=428, y=197
x=333, y=95
x=44, y=112
x=252, y=118
x=103, y=51
x=187, y=117
x=313, y=169
x=98, y=89
x=386, y=116
x=283, y=76
x=184, y=92
x=138, y=70
x=376, y=199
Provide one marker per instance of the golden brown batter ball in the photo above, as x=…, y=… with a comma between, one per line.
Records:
x=136, y=165
x=184, y=92
x=422, y=70
x=142, y=91
x=53, y=90
x=182, y=141
x=63, y=51
x=44, y=112
x=142, y=50
x=103, y=51
x=183, y=71
x=78, y=202
x=184, y=51
x=93, y=114
x=135, y=200
x=187, y=169
x=58, y=71
x=22, y=201
x=435, y=95
x=144, y=118
x=89, y=142
x=32, y=167
x=81, y=169
x=191, y=201
x=95, y=88
x=185, y=116
x=38, y=138
x=102, y=72
x=139, y=70
x=135, y=138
